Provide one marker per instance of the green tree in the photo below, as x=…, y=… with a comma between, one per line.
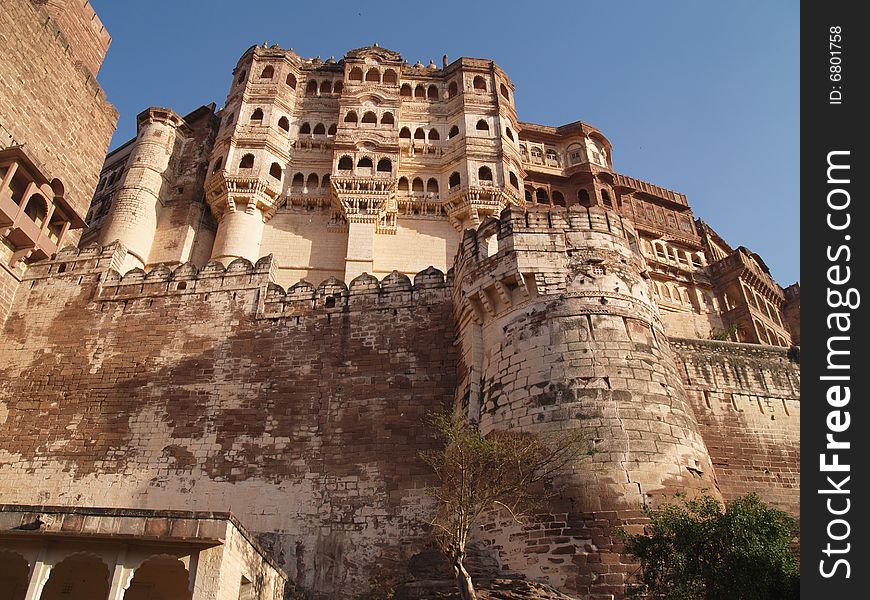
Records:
x=503, y=470
x=693, y=550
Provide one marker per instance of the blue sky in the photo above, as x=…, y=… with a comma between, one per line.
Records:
x=698, y=97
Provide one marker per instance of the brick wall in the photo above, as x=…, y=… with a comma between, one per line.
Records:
x=50, y=103
x=302, y=412
x=747, y=401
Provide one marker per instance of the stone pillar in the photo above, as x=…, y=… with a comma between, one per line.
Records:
x=39, y=574
x=360, y=247
x=239, y=231
x=133, y=215
x=122, y=576
x=573, y=340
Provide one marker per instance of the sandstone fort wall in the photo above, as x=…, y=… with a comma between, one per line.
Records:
x=50, y=102
x=302, y=412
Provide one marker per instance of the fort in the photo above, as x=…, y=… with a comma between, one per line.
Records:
x=220, y=345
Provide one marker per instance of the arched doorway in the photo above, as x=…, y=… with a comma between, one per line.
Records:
x=13, y=575
x=159, y=578
x=78, y=577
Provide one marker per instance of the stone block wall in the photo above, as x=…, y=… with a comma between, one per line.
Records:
x=559, y=328
x=301, y=411
x=747, y=401
x=82, y=29
x=51, y=103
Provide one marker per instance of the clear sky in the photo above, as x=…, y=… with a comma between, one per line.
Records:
x=698, y=97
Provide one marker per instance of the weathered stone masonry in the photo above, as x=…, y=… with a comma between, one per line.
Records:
x=157, y=373
x=302, y=412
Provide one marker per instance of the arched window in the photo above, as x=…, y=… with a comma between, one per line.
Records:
x=583, y=198
x=36, y=209
x=355, y=74
x=320, y=129
x=528, y=196
x=385, y=165
x=504, y=91
x=370, y=117
x=419, y=134
x=405, y=133
x=298, y=180
x=514, y=181
x=509, y=133
x=541, y=196
x=312, y=181
x=324, y=182
x=482, y=125
x=306, y=128
x=268, y=72
x=452, y=90
x=284, y=124
x=387, y=119
x=275, y=171
x=217, y=164
x=311, y=88
x=390, y=77
x=432, y=185
x=373, y=76
x=242, y=76
x=551, y=155
x=434, y=135
x=605, y=197
x=432, y=92
x=257, y=116
x=345, y=163
x=417, y=185
x=454, y=131
x=403, y=184
x=558, y=199
x=350, y=117
x=332, y=129
x=405, y=92
x=326, y=87
x=484, y=174
x=365, y=162
x=537, y=155
x=338, y=87
x=291, y=80
x=420, y=92
x=479, y=83
x=247, y=162
x=455, y=179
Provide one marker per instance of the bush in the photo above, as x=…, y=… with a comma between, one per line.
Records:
x=693, y=550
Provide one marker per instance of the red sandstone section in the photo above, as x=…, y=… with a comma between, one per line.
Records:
x=82, y=29
x=747, y=400
x=302, y=413
x=51, y=104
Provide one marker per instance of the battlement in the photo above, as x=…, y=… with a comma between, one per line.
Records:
x=77, y=262
x=365, y=291
x=477, y=245
x=538, y=252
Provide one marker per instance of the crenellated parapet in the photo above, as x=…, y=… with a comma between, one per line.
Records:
x=364, y=293
x=74, y=263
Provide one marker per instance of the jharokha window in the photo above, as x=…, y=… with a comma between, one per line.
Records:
x=35, y=215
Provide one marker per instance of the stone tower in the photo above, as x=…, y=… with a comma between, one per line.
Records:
x=558, y=331
x=133, y=219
